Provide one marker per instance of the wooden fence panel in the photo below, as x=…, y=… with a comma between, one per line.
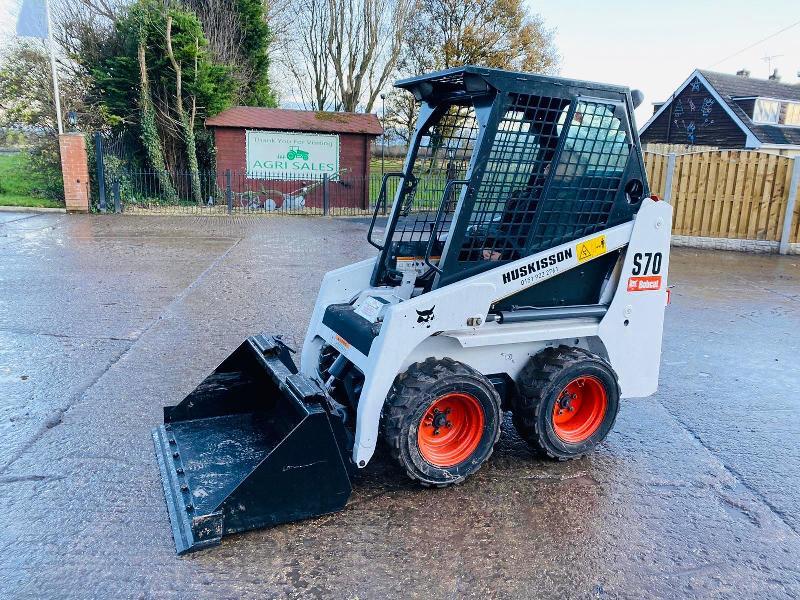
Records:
x=717, y=195
x=742, y=167
x=795, y=237
x=746, y=192
x=656, y=169
x=794, y=231
x=777, y=208
x=684, y=169
x=762, y=225
x=701, y=199
x=678, y=181
x=756, y=198
x=738, y=194
x=727, y=200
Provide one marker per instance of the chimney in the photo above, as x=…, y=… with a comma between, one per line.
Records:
x=775, y=76
x=743, y=73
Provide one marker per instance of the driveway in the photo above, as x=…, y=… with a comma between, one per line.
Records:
x=105, y=319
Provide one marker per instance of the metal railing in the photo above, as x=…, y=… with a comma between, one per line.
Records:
x=240, y=192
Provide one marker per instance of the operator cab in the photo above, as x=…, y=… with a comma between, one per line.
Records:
x=503, y=165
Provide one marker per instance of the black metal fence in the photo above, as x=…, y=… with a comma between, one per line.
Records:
x=119, y=184
x=237, y=192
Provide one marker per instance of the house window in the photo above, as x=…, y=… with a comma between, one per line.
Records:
x=766, y=111
x=792, y=114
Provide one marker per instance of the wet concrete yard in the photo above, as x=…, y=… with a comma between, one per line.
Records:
x=696, y=493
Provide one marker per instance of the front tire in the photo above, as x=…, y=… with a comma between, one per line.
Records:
x=567, y=402
x=441, y=421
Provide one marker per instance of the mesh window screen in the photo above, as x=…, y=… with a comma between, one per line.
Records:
x=513, y=179
x=443, y=155
x=511, y=216
x=586, y=179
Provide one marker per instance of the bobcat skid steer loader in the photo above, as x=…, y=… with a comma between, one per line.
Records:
x=523, y=268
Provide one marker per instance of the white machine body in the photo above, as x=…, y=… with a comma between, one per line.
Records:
x=454, y=321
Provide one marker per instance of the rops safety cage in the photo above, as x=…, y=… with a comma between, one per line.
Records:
x=517, y=163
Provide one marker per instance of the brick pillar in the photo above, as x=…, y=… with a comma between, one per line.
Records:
x=75, y=170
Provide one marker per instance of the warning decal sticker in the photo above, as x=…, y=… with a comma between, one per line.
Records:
x=344, y=343
x=644, y=284
x=414, y=263
x=591, y=248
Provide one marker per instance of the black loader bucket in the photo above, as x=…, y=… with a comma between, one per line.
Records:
x=255, y=444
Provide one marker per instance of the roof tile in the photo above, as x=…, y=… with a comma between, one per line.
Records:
x=733, y=86
x=297, y=120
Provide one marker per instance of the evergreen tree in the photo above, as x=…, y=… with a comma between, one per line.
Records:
x=177, y=84
x=256, y=38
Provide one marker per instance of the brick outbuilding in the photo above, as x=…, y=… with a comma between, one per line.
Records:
x=285, y=149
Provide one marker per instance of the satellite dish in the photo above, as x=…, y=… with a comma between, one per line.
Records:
x=638, y=97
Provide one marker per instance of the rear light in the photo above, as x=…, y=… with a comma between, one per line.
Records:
x=654, y=197
x=669, y=296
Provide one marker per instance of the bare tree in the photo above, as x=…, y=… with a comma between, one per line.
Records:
x=26, y=89
x=302, y=30
x=401, y=115
x=364, y=43
x=491, y=33
x=81, y=29
x=186, y=122
x=338, y=54
x=222, y=28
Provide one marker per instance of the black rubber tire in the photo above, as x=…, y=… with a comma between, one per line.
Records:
x=409, y=399
x=539, y=386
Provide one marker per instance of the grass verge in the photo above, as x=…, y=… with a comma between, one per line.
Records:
x=21, y=184
x=29, y=201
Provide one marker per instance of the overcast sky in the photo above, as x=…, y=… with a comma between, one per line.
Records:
x=649, y=45
x=654, y=46
x=9, y=9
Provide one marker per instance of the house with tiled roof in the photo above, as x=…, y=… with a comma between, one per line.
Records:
x=724, y=111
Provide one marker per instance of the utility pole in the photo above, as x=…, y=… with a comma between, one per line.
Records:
x=33, y=19
x=383, y=135
x=51, y=47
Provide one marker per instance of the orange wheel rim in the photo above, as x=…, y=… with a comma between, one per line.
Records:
x=450, y=430
x=580, y=409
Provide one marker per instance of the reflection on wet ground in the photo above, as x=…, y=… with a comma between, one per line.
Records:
x=105, y=319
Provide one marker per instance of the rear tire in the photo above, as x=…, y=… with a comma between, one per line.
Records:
x=567, y=402
x=441, y=421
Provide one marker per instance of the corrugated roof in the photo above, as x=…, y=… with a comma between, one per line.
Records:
x=733, y=86
x=297, y=120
